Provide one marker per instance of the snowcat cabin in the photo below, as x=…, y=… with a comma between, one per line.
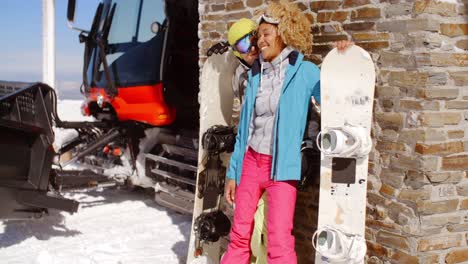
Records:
x=141, y=63
x=141, y=71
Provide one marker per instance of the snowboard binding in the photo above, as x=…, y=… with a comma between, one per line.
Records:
x=345, y=142
x=215, y=140
x=211, y=226
x=335, y=245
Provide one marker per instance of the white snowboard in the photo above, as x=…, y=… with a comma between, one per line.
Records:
x=347, y=92
x=215, y=100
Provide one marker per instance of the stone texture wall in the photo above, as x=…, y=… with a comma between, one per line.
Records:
x=418, y=186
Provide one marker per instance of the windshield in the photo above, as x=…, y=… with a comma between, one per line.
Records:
x=133, y=51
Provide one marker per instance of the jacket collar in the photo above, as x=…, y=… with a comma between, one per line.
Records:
x=293, y=57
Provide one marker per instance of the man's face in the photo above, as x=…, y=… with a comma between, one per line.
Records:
x=250, y=56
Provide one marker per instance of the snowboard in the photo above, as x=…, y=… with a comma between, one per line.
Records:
x=347, y=92
x=215, y=98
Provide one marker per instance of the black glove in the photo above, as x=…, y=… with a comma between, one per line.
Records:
x=218, y=48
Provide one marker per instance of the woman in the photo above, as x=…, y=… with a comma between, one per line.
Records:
x=267, y=151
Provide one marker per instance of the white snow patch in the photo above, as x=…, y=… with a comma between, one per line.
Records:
x=115, y=226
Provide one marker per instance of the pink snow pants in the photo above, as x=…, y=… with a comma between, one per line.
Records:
x=281, y=200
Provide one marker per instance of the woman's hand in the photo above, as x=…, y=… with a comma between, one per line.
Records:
x=342, y=45
x=230, y=191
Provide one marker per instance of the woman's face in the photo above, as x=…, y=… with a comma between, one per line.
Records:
x=269, y=42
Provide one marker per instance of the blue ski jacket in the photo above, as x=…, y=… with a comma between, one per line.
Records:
x=302, y=80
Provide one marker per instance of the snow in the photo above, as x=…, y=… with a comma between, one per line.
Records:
x=115, y=225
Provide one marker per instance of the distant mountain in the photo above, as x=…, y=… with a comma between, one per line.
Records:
x=66, y=90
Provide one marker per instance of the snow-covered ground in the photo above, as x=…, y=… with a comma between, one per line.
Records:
x=111, y=226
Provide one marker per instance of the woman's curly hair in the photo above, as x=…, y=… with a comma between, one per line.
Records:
x=294, y=27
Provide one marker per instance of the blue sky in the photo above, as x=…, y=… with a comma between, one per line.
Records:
x=21, y=43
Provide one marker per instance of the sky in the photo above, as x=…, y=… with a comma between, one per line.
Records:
x=21, y=43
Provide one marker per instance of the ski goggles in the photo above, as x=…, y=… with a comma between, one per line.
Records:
x=268, y=19
x=245, y=44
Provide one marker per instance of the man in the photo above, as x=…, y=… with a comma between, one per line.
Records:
x=242, y=40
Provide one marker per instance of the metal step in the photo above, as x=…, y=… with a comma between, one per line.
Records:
x=173, y=176
x=178, y=164
x=191, y=154
x=47, y=200
x=174, y=197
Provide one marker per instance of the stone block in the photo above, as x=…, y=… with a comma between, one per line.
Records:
x=393, y=240
x=456, y=134
x=324, y=5
x=388, y=135
x=408, y=105
x=387, y=190
x=457, y=105
x=366, y=13
x=454, y=30
x=460, y=78
x=439, y=149
x=462, y=190
x=409, y=25
x=442, y=59
x=353, y=3
x=435, y=7
x=416, y=179
x=390, y=120
x=462, y=44
x=373, y=45
x=238, y=15
x=359, y=26
x=398, y=209
x=430, y=163
x=399, y=256
x=405, y=162
x=439, y=242
x=254, y=3
x=392, y=177
x=399, y=9
x=376, y=249
x=235, y=6
x=415, y=195
x=376, y=199
x=459, y=162
x=464, y=204
x=426, y=207
x=457, y=256
x=408, y=78
x=439, y=220
x=386, y=91
x=329, y=38
x=395, y=59
x=445, y=176
x=439, y=93
x=435, y=135
x=429, y=258
x=440, y=119
x=370, y=36
x=217, y=7
x=443, y=192
x=381, y=225
x=456, y=228
x=340, y=16
x=412, y=136
x=390, y=146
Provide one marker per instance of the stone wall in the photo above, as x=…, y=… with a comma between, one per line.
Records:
x=418, y=186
